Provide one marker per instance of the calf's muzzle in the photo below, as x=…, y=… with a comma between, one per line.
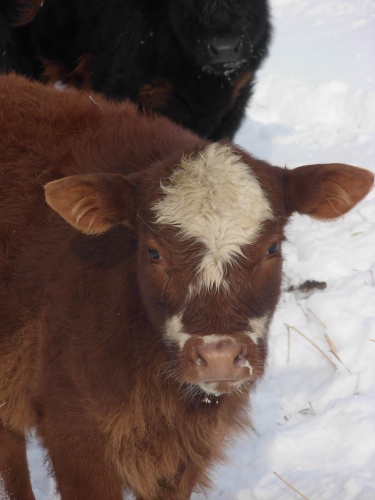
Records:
x=221, y=361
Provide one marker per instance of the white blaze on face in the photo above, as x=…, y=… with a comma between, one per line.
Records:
x=174, y=332
x=215, y=199
x=258, y=328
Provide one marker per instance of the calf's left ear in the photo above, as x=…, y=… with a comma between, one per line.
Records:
x=93, y=203
x=326, y=191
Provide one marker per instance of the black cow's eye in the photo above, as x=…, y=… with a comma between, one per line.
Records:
x=273, y=248
x=154, y=254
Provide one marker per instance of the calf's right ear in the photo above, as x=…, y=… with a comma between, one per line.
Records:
x=93, y=203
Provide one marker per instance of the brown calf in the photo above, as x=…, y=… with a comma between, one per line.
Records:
x=133, y=331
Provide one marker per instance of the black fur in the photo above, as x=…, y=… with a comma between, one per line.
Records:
x=16, y=51
x=191, y=60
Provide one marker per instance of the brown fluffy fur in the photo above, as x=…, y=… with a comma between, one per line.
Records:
x=81, y=353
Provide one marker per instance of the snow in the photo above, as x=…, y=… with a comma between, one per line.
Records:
x=313, y=413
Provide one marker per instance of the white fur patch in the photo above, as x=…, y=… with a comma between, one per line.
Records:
x=215, y=338
x=216, y=199
x=258, y=328
x=174, y=333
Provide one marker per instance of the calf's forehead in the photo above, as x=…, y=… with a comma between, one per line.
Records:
x=215, y=199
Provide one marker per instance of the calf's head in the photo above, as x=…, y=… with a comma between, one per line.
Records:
x=209, y=228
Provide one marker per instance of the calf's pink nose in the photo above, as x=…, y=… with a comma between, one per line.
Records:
x=221, y=361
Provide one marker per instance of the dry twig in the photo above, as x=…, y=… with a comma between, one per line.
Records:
x=332, y=350
x=290, y=486
x=288, y=358
x=331, y=345
x=317, y=318
x=312, y=409
x=313, y=343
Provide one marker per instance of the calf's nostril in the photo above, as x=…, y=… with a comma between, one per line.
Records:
x=238, y=359
x=200, y=361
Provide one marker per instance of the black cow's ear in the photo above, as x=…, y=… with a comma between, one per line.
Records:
x=24, y=11
x=93, y=203
x=326, y=191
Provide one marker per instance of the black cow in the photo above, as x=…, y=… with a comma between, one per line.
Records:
x=16, y=51
x=191, y=60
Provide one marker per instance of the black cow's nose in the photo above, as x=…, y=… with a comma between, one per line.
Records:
x=225, y=49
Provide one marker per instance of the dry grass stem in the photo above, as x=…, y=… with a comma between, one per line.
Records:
x=290, y=486
x=312, y=343
x=331, y=345
x=288, y=357
x=332, y=350
x=312, y=409
x=2, y=403
x=371, y=340
x=317, y=318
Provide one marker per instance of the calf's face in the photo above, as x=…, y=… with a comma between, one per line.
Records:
x=209, y=249
x=210, y=268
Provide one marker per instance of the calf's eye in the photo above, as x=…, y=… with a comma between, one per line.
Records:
x=154, y=254
x=273, y=248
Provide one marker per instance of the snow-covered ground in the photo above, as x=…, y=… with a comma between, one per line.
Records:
x=314, y=412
